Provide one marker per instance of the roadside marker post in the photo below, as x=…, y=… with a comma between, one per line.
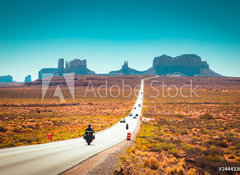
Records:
x=129, y=136
x=50, y=137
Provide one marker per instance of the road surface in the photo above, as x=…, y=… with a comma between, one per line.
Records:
x=57, y=157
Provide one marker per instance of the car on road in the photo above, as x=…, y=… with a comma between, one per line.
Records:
x=139, y=105
x=135, y=117
x=122, y=120
x=130, y=114
x=134, y=107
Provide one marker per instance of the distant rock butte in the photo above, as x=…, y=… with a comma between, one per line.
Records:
x=125, y=70
x=28, y=79
x=183, y=65
x=76, y=66
x=6, y=78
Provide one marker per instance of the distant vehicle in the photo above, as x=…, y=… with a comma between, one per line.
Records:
x=141, y=92
x=122, y=120
x=139, y=105
x=130, y=115
x=135, y=117
x=134, y=107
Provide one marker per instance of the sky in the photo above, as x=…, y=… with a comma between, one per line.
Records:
x=34, y=34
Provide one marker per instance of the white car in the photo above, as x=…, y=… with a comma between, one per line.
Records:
x=122, y=120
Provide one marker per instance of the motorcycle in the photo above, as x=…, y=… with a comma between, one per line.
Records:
x=89, y=137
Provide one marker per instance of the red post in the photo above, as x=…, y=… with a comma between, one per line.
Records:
x=50, y=137
x=129, y=136
x=140, y=118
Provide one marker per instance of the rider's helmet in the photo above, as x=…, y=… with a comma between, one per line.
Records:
x=89, y=125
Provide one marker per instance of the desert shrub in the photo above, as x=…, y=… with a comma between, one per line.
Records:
x=187, y=147
x=213, y=151
x=146, y=162
x=164, y=163
x=130, y=150
x=193, y=152
x=180, y=170
x=2, y=129
x=142, y=147
x=173, y=160
x=169, y=170
x=206, y=116
x=183, y=132
x=192, y=171
x=122, y=158
x=217, y=143
x=164, y=146
x=142, y=144
x=231, y=156
x=215, y=157
x=154, y=163
x=182, y=163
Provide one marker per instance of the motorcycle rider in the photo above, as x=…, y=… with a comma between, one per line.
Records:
x=89, y=129
x=88, y=136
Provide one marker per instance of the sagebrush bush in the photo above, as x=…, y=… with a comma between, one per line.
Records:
x=180, y=170
x=146, y=162
x=206, y=116
x=192, y=171
x=169, y=170
x=154, y=163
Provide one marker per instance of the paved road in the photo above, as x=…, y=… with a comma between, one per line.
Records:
x=56, y=157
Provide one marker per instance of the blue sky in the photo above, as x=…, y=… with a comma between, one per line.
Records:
x=34, y=34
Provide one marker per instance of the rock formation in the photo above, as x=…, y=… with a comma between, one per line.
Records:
x=77, y=66
x=126, y=70
x=6, y=78
x=60, y=67
x=28, y=79
x=47, y=72
x=183, y=65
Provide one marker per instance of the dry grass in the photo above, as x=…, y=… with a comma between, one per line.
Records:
x=26, y=119
x=194, y=135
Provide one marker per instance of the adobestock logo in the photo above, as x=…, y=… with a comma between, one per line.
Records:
x=106, y=90
x=69, y=78
x=156, y=89
x=173, y=91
